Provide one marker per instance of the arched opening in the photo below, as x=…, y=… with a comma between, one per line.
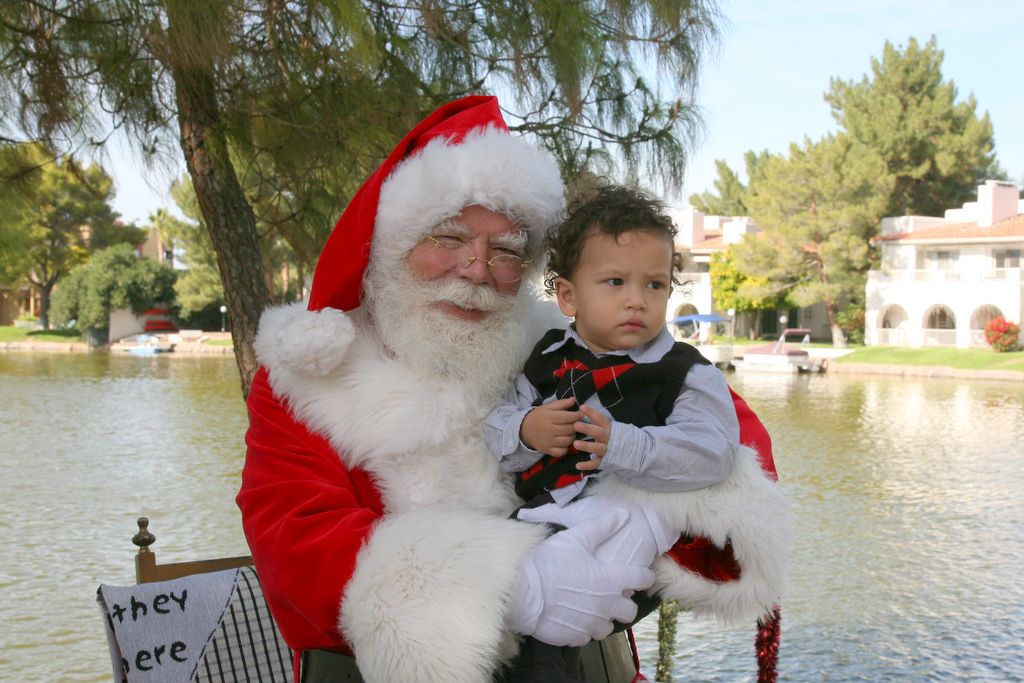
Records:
x=686, y=309
x=686, y=330
x=982, y=316
x=939, y=326
x=893, y=330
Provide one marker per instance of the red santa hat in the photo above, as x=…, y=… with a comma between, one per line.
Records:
x=460, y=155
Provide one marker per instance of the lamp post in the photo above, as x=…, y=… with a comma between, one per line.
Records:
x=781, y=343
x=223, y=317
x=732, y=323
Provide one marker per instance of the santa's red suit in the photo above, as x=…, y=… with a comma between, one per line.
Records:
x=377, y=520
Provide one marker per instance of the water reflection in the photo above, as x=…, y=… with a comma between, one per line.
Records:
x=908, y=525
x=88, y=444
x=907, y=494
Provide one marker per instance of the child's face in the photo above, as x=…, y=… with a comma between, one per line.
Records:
x=619, y=290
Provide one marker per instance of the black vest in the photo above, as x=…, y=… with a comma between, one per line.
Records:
x=638, y=394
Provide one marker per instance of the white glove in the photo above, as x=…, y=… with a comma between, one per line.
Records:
x=566, y=596
x=639, y=541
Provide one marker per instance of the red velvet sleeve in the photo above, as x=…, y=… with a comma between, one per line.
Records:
x=754, y=434
x=305, y=516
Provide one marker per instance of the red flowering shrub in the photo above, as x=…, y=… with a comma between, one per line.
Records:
x=1001, y=334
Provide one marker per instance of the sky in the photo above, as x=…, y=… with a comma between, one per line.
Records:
x=763, y=85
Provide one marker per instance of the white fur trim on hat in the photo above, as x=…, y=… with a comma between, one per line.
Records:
x=489, y=168
x=301, y=341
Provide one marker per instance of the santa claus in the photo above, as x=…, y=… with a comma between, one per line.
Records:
x=379, y=525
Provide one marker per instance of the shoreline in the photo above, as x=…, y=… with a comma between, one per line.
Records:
x=923, y=371
x=184, y=349
x=193, y=350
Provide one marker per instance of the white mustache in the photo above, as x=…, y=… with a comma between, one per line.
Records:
x=467, y=295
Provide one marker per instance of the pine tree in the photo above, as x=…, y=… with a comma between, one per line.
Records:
x=728, y=201
x=731, y=197
x=935, y=150
x=817, y=207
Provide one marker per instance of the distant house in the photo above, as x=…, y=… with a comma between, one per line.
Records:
x=155, y=248
x=699, y=237
x=942, y=279
x=16, y=302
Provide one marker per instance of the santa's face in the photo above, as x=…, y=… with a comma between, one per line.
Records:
x=474, y=248
x=439, y=310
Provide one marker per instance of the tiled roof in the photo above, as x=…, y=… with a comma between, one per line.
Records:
x=714, y=241
x=1009, y=227
x=710, y=244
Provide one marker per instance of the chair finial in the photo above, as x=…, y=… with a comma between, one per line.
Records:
x=143, y=539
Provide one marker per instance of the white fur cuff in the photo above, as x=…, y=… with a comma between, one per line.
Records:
x=311, y=343
x=427, y=600
x=749, y=510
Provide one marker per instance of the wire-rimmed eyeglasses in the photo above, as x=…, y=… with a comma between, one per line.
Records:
x=505, y=268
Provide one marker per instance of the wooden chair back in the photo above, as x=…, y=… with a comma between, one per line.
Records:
x=147, y=570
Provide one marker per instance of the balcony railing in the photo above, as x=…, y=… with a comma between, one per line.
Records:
x=934, y=275
x=1000, y=274
x=978, y=338
x=937, y=337
x=910, y=275
x=891, y=336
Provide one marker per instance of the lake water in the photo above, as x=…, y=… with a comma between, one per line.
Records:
x=908, y=497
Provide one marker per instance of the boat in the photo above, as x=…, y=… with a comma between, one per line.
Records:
x=720, y=355
x=143, y=345
x=780, y=356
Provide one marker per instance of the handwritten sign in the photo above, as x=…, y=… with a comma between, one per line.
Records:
x=202, y=627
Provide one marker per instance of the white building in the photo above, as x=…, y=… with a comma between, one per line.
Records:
x=942, y=279
x=698, y=238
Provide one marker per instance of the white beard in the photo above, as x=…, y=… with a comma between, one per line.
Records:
x=484, y=355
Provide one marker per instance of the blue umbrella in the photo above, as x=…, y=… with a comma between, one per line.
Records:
x=700, y=318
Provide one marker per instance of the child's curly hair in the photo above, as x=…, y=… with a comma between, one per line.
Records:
x=610, y=210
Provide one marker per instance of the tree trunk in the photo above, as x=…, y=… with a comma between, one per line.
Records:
x=228, y=216
x=838, y=336
x=44, y=305
x=43, y=282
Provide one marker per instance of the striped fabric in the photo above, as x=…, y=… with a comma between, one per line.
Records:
x=246, y=645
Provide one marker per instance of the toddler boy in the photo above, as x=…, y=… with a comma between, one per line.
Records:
x=613, y=393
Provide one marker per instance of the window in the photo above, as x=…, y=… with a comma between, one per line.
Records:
x=1007, y=258
x=938, y=259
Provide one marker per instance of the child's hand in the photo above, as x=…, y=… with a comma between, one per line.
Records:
x=599, y=428
x=549, y=428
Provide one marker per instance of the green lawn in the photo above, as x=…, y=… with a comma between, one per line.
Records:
x=965, y=359
x=9, y=333
x=744, y=341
